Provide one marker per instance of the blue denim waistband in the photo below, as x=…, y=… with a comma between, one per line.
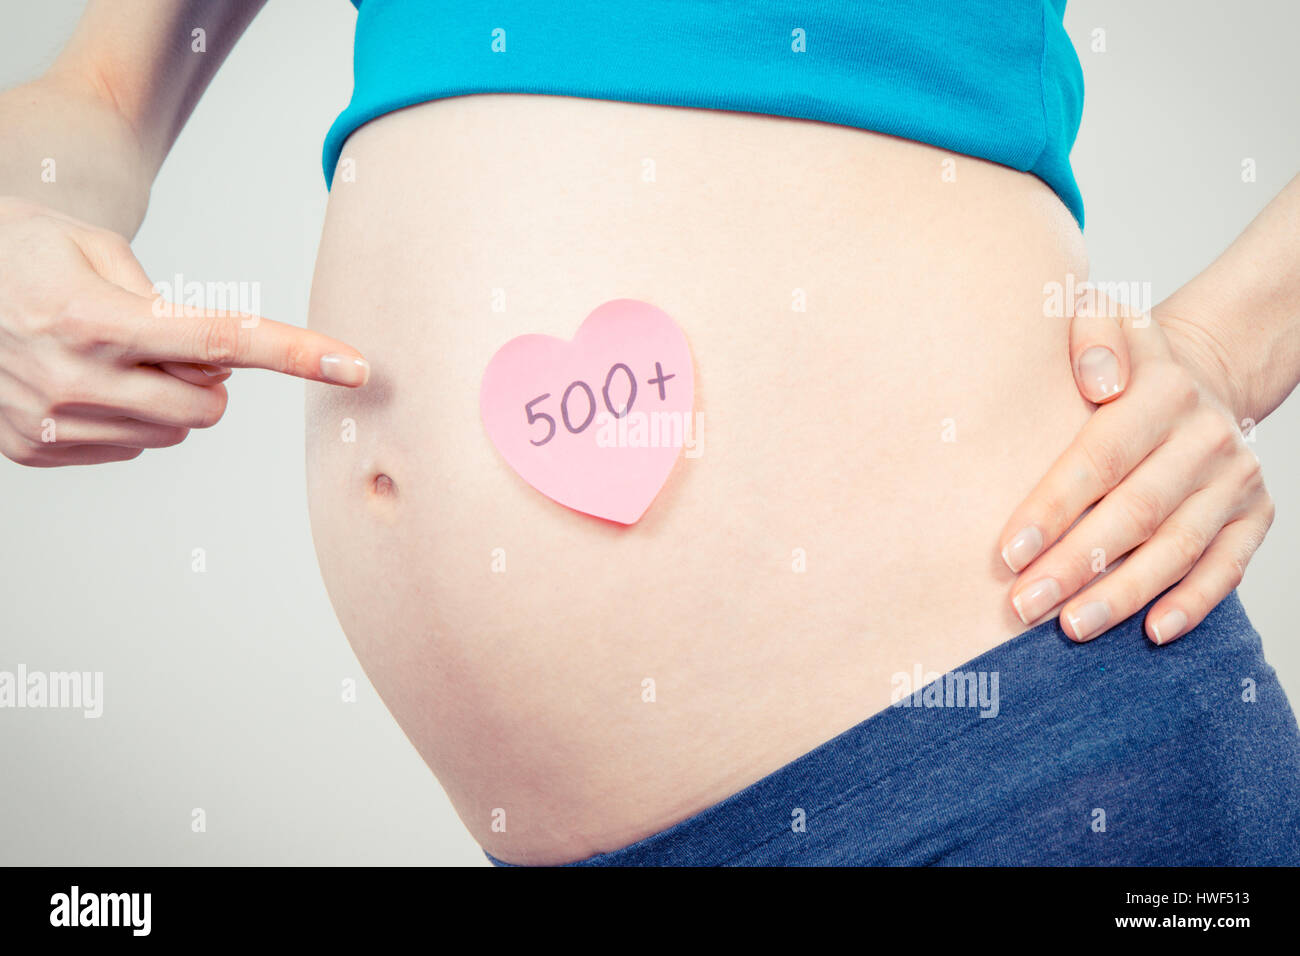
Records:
x=1114, y=752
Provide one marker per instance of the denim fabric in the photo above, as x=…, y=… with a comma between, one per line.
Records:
x=1111, y=752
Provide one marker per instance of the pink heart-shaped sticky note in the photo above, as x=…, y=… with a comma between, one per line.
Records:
x=597, y=423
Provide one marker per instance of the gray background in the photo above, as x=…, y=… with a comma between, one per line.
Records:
x=223, y=688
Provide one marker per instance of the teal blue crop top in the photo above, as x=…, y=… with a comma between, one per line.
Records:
x=997, y=79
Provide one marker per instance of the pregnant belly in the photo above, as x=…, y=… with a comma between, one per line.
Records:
x=877, y=385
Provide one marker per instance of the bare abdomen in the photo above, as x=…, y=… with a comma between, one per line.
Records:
x=878, y=386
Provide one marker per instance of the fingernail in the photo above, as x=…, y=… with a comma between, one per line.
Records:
x=1023, y=548
x=344, y=370
x=1099, y=372
x=1169, y=626
x=1089, y=619
x=214, y=370
x=1037, y=599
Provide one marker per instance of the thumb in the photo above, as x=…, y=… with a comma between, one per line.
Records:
x=1098, y=351
x=196, y=373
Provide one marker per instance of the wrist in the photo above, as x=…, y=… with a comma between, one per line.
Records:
x=69, y=149
x=1213, y=353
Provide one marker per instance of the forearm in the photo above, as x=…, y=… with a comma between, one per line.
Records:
x=88, y=137
x=1244, y=310
x=66, y=147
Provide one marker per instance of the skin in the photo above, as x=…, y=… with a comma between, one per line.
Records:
x=93, y=366
x=1173, y=487
x=498, y=720
x=823, y=432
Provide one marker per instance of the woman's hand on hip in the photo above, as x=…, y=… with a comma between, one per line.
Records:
x=1170, y=494
x=95, y=368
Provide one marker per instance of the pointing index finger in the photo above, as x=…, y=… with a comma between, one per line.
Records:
x=238, y=340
